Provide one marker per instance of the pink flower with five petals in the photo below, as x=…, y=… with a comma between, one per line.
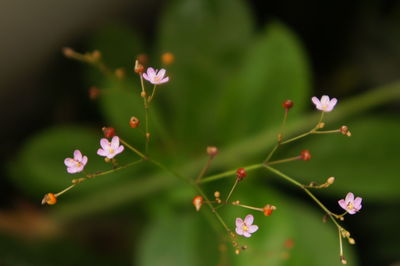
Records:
x=77, y=164
x=325, y=104
x=246, y=227
x=350, y=204
x=110, y=149
x=155, y=76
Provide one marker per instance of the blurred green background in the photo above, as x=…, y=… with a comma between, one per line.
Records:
x=235, y=62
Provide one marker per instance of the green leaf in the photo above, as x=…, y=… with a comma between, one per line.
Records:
x=40, y=166
x=207, y=54
x=364, y=163
x=178, y=240
x=275, y=69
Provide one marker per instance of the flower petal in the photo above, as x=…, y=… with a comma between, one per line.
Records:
x=84, y=160
x=115, y=143
x=357, y=203
x=161, y=73
x=165, y=80
x=102, y=152
x=349, y=198
x=104, y=143
x=146, y=77
x=120, y=149
x=77, y=155
x=352, y=211
x=69, y=162
x=151, y=72
x=239, y=222
x=239, y=230
x=253, y=228
x=316, y=101
x=325, y=100
x=72, y=170
x=246, y=234
x=249, y=220
x=343, y=204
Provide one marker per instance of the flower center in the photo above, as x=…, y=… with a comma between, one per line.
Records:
x=350, y=206
x=245, y=228
x=324, y=106
x=111, y=150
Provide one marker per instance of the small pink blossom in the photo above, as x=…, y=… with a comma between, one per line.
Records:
x=155, y=76
x=246, y=227
x=110, y=149
x=77, y=164
x=350, y=204
x=325, y=104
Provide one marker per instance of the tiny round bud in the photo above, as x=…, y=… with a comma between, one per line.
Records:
x=143, y=94
x=94, y=92
x=96, y=55
x=330, y=180
x=139, y=68
x=321, y=125
x=343, y=260
x=120, y=73
x=108, y=132
x=237, y=251
x=244, y=247
x=352, y=241
x=268, y=209
x=287, y=104
x=68, y=52
x=212, y=151
x=241, y=173
x=49, y=199
x=134, y=122
x=217, y=194
x=345, y=131
x=147, y=135
x=197, y=202
x=107, y=160
x=289, y=243
x=167, y=58
x=305, y=155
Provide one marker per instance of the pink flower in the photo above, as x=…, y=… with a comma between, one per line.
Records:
x=77, y=164
x=110, y=149
x=155, y=77
x=350, y=204
x=325, y=104
x=246, y=227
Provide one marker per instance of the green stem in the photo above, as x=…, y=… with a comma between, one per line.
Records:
x=229, y=173
x=283, y=160
x=144, y=157
x=232, y=189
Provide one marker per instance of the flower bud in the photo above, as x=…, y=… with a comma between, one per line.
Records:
x=287, y=104
x=143, y=94
x=120, y=73
x=289, y=243
x=212, y=151
x=139, y=68
x=96, y=55
x=351, y=241
x=241, y=173
x=305, y=155
x=68, y=52
x=330, y=180
x=167, y=58
x=237, y=251
x=268, y=209
x=49, y=199
x=217, y=194
x=321, y=125
x=345, y=131
x=94, y=92
x=134, y=122
x=197, y=202
x=343, y=260
x=108, y=132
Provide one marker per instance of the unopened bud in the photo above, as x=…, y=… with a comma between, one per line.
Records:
x=143, y=94
x=139, y=68
x=345, y=131
x=352, y=241
x=198, y=202
x=343, y=260
x=330, y=180
x=268, y=209
x=217, y=194
x=321, y=125
x=120, y=73
x=96, y=55
x=305, y=155
x=241, y=173
x=94, y=92
x=287, y=104
x=212, y=151
x=108, y=132
x=68, y=52
x=49, y=199
x=148, y=136
x=134, y=122
x=167, y=58
x=237, y=251
x=107, y=160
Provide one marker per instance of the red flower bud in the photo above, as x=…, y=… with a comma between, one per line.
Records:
x=49, y=199
x=268, y=209
x=305, y=155
x=287, y=104
x=197, y=202
x=108, y=132
x=134, y=122
x=241, y=173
